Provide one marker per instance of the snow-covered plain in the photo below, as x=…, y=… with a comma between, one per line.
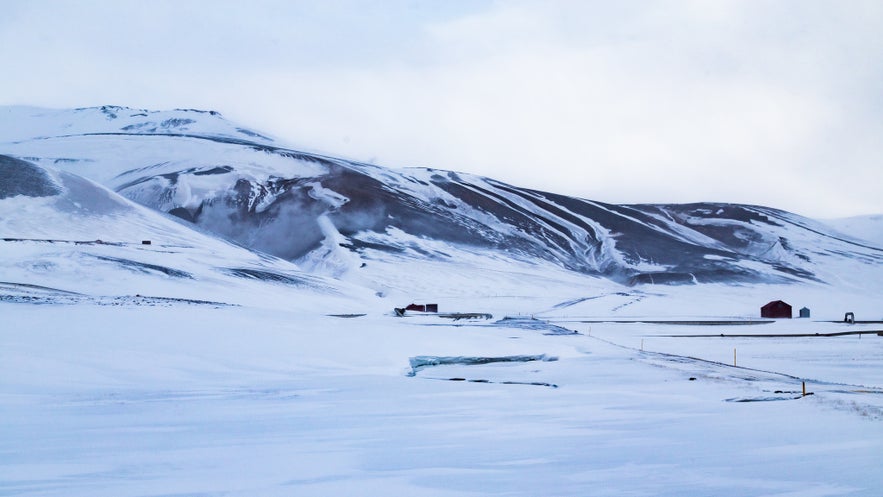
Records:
x=272, y=396
x=190, y=399
x=194, y=367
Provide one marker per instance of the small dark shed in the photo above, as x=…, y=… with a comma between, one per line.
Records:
x=804, y=312
x=776, y=309
x=422, y=307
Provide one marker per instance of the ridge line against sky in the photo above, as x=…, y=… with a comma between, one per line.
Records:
x=776, y=103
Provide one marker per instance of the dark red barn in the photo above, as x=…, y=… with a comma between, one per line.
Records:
x=422, y=307
x=776, y=309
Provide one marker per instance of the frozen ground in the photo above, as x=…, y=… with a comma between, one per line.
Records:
x=186, y=399
x=190, y=366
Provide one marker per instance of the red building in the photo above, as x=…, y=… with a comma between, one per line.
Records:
x=422, y=307
x=776, y=309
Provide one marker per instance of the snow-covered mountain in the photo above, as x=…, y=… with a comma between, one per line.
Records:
x=65, y=237
x=343, y=218
x=171, y=326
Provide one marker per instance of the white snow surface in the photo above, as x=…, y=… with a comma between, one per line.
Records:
x=24, y=123
x=141, y=152
x=192, y=366
x=865, y=227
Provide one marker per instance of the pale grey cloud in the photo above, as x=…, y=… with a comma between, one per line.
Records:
x=652, y=101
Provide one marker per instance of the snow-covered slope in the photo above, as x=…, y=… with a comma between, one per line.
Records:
x=26, y=123
x=199, y=364
x=65, y=237
x=868, y=228
x=351, y=220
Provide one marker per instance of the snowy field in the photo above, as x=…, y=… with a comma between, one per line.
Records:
x=191, y=366
x=175, y=398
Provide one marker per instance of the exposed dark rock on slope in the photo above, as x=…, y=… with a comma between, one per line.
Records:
x=297, y=205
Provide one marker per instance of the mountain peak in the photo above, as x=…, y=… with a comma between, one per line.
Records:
x=22, y=123
x=342, y=217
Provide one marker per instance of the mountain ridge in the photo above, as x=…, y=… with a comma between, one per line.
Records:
x=313, y=209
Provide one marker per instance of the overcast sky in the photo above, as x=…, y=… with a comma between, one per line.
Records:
x=778, y=103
